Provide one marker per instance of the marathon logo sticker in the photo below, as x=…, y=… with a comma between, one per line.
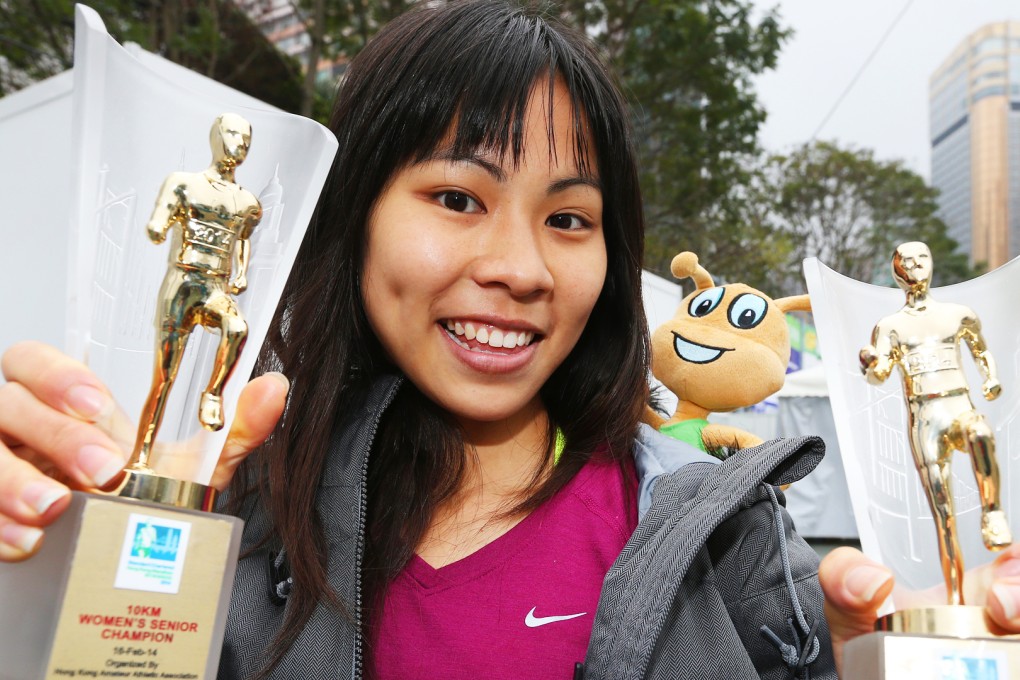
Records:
x=152, y=556
x=959, y=666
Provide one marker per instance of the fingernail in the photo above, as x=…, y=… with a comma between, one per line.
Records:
x=101, y=465
x=864, y=581
x=280, y=377
x=24, y=539
x=42, y=495
x=1008, y=597
x=86, y=401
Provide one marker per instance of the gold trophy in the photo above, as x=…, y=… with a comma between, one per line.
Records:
x=143, y=571
x=209, y=256
x=923, y=341
x=135, y=581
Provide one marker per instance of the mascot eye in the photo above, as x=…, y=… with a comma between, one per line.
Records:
x=704, y=303
x=747, y=310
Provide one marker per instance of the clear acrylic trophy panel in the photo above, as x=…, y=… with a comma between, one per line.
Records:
x=892, y=513
x=136, y=121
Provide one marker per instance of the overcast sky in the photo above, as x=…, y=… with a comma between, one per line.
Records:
x=887, y=108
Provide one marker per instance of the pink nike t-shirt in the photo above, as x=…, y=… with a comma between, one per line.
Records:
x=521, y=606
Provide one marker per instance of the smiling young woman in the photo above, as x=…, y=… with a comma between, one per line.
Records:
x=469, y=244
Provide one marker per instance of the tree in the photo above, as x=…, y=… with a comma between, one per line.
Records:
x=34, y=42
x=212, y=37
x=686, y=66
x=334, y=31
x=851, y=210
x=743, y=242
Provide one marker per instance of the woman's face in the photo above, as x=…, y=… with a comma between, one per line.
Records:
x=479, y=276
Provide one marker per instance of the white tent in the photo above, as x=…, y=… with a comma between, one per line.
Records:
x=819, y=503
x=809, y=382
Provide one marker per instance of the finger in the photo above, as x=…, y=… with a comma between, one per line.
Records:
x=58, y=381
x=18, y=542
x=83, y=451
x=26, y=495
x=855, y=588
x=1003, y=603
x=258, y=409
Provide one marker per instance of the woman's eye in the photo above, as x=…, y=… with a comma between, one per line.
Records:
x=566, y=221
x=458, y=202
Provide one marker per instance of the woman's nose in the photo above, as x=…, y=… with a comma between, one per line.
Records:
x=511, y=254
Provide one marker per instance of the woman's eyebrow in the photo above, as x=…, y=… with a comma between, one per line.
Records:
x=568, y=182
x=450, y=155
x=453, y=156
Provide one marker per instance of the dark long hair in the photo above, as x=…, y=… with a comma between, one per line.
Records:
x=476, y=63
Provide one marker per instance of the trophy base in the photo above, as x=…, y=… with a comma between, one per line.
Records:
x=947, y=642
x=142, y=484
x=120, y=588
x=959, y=621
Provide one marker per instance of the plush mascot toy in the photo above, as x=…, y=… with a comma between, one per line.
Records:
x=727, y=347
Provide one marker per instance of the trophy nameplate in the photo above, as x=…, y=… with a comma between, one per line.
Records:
x=891, y=656
x=121, y=587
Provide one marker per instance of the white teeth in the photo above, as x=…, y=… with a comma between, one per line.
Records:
x=493, y=337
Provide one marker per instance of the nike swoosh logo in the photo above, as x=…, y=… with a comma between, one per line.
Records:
x=532, y=621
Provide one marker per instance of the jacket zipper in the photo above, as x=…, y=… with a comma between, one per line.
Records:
x=359, y=553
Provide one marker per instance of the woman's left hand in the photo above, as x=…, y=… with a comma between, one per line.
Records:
x=855, y=587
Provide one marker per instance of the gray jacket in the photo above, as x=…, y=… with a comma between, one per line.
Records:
x=714, y=583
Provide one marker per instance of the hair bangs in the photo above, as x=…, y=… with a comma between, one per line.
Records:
x=486, y=84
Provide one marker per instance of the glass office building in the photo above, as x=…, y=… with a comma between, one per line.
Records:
x=974, y=105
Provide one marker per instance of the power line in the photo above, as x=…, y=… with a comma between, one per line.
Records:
x=853, y=81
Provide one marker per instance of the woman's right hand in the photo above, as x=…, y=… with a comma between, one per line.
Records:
x=855, y=588
x=58, y=429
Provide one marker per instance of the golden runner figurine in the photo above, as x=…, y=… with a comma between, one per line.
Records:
x=215, y=218
x=923, y=339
